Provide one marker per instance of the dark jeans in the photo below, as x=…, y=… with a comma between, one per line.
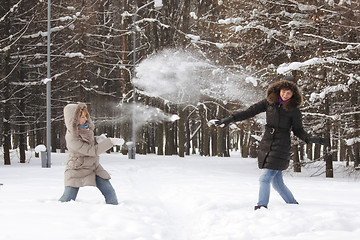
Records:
x=103, y=185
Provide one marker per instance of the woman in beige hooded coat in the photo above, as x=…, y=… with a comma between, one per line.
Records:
x=83, y=167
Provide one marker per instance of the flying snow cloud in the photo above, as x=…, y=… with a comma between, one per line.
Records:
x=183, y=78
x=144, y=114
x=170, y=75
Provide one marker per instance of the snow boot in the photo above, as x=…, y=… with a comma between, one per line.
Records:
x=259, y=207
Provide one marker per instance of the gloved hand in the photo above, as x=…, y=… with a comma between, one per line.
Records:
x=224, y=121
x=101, y=138
x=117, y=141
x=317, y=140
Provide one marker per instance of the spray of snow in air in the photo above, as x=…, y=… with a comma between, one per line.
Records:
x=143, y=114
x=184, y=78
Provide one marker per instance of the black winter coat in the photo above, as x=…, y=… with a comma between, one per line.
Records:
x=275, y=146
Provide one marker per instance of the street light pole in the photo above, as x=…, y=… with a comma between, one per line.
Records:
x=48, y=92
x=132, y=146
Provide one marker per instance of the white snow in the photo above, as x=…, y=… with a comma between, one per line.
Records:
x=184, y=77
x=44, y=34
x=173, y=198
x=212, y=122
x=194, y=38
x=231, y=21
x=148, y=114
x=75, y=54
x=287, y=67
x=303, y=7
x=252, y=80
x=158, y=4
x=40, y=148
x=193, y=15
x=46, y=80
x=174, y=118
x=327, y=90
x=352, y=141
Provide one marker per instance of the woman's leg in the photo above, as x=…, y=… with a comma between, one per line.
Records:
x=282, y=189
x=264, y=191
x=107, y=190
x=70, y=193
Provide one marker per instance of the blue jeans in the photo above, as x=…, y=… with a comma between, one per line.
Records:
x=103, y=185
x=276, y=178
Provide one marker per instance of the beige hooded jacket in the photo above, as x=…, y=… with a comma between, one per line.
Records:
x=83, y=161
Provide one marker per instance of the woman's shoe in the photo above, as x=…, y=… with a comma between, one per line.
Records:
x=258, y=207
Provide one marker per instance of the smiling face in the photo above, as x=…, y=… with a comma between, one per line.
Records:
x=83, y=118
x=286, y=94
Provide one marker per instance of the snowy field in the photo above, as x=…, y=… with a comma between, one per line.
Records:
x=172, y=198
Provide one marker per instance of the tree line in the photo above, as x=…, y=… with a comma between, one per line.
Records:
x=97, y=44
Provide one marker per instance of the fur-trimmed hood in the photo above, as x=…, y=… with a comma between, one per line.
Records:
x=71, y=117
x=273, y=93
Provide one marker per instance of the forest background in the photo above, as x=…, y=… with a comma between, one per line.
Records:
x=193, y=61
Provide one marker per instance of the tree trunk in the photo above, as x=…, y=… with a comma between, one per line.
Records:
x=356, y=123
x=296, y=158
x=221, y=142
x=22, y=133
x=188, y=135
x=62, y=138
x=6, y=117
x=301, y=152
x=214, y=143
x=185, y=22
x=181, y=132
x=169, y=138
x=329, y=164
x=160, y=139
x=205, y=140
x=328, y=155
x=317, y=151
x=342, y=148
x=228, y=145
x=55, y=126
x=152, y=148
x=253, y=149
x=309, y=151
x=195, y=139
x=245, y=147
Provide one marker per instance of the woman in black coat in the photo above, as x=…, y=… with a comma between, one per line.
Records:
x=281, y=105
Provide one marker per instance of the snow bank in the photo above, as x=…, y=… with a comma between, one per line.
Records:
x=173, y=198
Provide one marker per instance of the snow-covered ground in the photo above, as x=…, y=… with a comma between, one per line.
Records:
x=173, y=198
